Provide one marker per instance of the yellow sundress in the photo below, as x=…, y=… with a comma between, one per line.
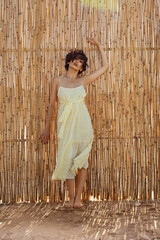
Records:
x=75, y=133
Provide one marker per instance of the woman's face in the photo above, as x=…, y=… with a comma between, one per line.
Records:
x=76, y=64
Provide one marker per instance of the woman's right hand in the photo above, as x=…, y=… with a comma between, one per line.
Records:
x=93, y=41
x=45, y=136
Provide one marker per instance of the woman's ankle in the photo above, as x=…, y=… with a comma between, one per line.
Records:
x=71, y=199
x=77, y=199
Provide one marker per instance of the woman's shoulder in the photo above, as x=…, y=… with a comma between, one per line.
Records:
x=56, y=80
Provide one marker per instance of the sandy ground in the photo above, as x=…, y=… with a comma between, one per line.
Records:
x=130, y=220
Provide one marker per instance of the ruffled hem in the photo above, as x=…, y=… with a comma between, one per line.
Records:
x=78, y=163
x=80, y=160
x=58, y=178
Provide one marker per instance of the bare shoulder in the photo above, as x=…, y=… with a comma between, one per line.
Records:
x=56, y=81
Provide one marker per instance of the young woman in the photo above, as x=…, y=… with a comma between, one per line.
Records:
x=74, y=127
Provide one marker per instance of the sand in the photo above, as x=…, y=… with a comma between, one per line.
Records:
x=130, y=220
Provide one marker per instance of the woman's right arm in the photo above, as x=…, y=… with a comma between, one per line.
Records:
x=51, y=112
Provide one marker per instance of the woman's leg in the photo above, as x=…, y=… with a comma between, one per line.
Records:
x=70, y=187
x=80, y=180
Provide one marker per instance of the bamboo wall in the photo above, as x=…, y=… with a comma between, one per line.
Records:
x=35, y=37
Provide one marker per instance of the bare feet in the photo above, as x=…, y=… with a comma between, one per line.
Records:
x=70, y=204
x=77, y=204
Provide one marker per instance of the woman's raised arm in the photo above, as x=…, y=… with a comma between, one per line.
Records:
x=92, y=76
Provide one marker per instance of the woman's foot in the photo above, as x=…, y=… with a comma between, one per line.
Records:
x=70, y=204
x=77, y=204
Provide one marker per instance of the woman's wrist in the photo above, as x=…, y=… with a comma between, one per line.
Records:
x=99, y=45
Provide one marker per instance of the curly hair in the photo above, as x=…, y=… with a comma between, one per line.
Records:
x=76, y=54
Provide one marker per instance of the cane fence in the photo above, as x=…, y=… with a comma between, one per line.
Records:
x=123, y=103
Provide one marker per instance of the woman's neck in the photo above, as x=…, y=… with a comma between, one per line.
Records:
x=71, y=75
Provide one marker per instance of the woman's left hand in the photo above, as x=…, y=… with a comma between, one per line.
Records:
x=92, y=41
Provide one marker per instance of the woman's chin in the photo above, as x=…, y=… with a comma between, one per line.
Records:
x=74, y=67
